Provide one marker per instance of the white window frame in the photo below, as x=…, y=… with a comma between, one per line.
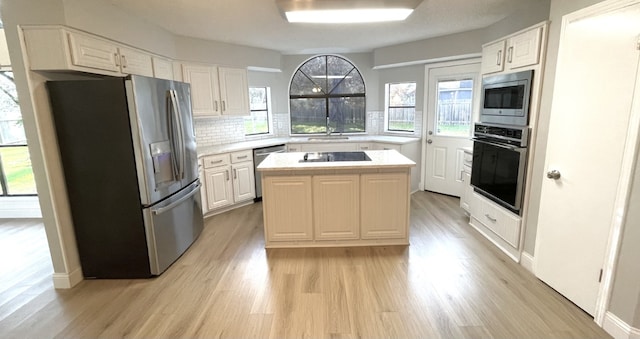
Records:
x=271, y=132
x=387, y=87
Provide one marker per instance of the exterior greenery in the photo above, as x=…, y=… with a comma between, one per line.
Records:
x=327, y=94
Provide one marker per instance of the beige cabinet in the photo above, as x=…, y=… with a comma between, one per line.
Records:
x=288, y=208
x=515, y=51
x=336, y=207
x=384, y=197
x=217, y=90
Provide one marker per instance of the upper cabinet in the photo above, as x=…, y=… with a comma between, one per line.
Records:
x=217, y=90
x=162, y=68
x=514, y=51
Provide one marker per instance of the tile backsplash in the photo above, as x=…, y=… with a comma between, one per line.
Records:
x=224, y=130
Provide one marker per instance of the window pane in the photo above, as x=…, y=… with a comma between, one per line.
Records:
x=346, y=115
x=402, y=119
x=454, y=108
x=301, y=85
x=16, y=164
x=403, y=94
x=308, y=116
x=257, y=123
x=352, y=83
x=258, y=98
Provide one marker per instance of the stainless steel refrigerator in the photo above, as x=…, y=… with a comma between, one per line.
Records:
x=129, y=157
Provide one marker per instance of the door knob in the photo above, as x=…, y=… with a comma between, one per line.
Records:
x=553, y=174
x=430, y=132
x=429, y=141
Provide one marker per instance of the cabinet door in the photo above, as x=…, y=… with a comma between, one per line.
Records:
x=385, y=205
x=162, y=68
x=493, y=57
x=336, y=207
x=524, y=49
x=244, y=182
x=329, y=147
x=234, y=91
x=91, y=52
x=204, y=89
x=381, y=146
x=287, y=208
x=466, y=191
x=135, y=62
x=218, y=184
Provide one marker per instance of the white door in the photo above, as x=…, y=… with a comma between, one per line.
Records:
x=451, y=98
x=590, y=115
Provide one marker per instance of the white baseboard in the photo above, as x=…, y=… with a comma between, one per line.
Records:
x=526, y=260
x=20, y=207
x=67, y=280
x=618, y=328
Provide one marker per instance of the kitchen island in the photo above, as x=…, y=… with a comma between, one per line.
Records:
x=336, y=200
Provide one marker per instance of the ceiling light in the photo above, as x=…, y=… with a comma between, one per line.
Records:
x=346, y=11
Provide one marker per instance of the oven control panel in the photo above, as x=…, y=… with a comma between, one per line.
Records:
x=513, y=135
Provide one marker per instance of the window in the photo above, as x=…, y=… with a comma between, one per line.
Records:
x=16, y=176
x=258, y=122
x=327, y=94
x=454, y=108
x=401, y=106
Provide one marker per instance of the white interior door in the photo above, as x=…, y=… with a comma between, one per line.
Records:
x=451, y=98
x=590, y=114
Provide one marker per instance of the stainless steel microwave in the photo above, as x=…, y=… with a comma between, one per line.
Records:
x=505, y=98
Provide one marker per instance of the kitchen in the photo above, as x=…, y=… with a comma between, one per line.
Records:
x=74, y=14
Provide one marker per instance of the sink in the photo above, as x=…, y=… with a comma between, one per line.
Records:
x=335, y=156
x=328, y=137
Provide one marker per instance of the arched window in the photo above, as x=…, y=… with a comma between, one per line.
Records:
x=327, y=95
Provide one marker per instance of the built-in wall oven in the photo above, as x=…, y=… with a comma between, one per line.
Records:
x=499, y=163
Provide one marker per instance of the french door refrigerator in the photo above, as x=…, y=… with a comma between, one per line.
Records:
x=129, y=158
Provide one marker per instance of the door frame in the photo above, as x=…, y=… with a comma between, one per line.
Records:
x=630, y=154
x=426, y=103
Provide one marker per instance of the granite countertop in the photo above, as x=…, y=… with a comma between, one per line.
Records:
x=291, y=162
x=247, y=145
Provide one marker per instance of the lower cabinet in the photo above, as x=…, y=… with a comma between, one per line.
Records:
x=288, y=208
x=336, y=206
x=351, y=209
x=228, y=180
x=497, y=224
x=384, y=198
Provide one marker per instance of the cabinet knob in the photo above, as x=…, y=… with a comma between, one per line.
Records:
x=553, y=174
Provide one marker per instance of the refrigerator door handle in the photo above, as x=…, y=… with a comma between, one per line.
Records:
x=171, y=129
x=178, y=119
x=163, y=209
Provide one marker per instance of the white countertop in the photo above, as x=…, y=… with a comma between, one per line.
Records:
x=291, y=161
x=246, y=145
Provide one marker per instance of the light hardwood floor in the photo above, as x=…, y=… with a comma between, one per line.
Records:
x=449, y=283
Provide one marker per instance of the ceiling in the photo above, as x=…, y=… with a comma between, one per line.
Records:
x=259, y=23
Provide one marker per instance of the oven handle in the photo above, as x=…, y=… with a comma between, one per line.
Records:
x=507, y=146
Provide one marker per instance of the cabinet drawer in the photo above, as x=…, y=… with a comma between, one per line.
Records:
x=241, y=156
x=216, y=160
x=500, y=221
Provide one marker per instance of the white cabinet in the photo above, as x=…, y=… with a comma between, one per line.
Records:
x=205, y=94
x=162, y=68
x=56, y=48
x=365, y=146
x=336, y=207
x=234, y=91
x=496, y=219
x=515, y=51
x=287, y=205
x=218, y=181
x=384, y=146
x=217, y=90
x=466, y=197
x=229, y=179
x=328, y=147
x=244, y=182
x=384, y=198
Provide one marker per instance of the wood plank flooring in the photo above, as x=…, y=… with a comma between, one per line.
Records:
x=449, y=283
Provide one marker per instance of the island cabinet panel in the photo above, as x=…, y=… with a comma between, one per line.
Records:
x=336, y=207
x=287, y=206
x=385, y=199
